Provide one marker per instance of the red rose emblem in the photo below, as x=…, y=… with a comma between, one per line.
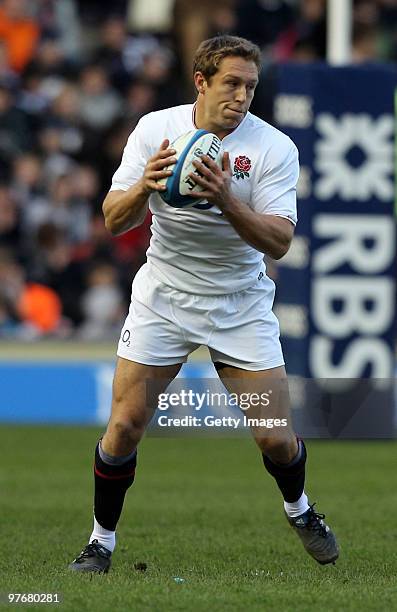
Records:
x=242, y=166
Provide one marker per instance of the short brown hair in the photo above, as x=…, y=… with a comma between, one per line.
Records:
x=211, y=52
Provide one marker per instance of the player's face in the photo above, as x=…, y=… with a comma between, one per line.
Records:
x=227, y=96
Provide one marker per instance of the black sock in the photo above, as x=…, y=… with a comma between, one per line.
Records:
x=111, y=484
x=290, y=477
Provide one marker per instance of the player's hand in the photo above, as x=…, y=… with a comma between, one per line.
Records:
x=214, y=180
x=155, y=168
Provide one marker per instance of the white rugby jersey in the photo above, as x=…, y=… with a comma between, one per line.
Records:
x=197, y=250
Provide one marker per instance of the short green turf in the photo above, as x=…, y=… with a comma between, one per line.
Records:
x=206, y=520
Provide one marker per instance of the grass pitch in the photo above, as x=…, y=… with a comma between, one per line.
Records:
x=206, y=520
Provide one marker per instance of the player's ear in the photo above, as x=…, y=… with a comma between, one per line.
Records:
x=199, y=81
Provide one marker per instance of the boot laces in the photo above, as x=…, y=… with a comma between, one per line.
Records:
x=93, y=550
x=314, y=522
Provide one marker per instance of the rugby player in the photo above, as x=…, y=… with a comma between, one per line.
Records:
x=205, y=283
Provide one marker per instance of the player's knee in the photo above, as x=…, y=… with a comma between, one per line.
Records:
x=126, y=433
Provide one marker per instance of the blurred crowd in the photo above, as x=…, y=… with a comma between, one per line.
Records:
x=75, y=77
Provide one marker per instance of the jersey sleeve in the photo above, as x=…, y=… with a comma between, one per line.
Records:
x=135, y=156
x=275, y=191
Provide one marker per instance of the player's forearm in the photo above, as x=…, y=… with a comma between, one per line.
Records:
x=124, y=210
x=263, y=232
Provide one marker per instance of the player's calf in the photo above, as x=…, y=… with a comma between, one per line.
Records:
x=113, y=476
x=289, y=475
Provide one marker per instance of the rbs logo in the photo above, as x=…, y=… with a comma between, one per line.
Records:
x=352, y=313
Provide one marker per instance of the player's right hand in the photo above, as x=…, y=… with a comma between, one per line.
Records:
x=156, y=168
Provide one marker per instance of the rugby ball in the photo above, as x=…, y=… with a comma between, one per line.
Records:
x=189, y=148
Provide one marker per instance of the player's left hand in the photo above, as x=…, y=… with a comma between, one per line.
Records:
x=214, y=180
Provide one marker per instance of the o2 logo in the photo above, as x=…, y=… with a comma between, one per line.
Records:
x=126, y=337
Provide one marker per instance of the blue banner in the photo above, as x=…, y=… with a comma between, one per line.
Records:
x=80, y=393
x=337, y=286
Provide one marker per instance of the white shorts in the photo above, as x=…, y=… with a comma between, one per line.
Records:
x=164, y=326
